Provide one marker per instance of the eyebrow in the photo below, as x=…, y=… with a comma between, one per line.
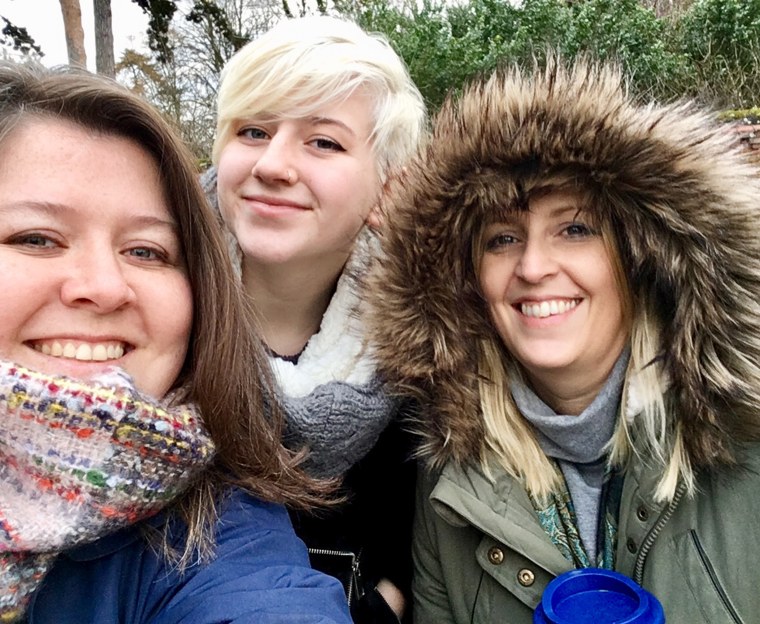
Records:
x=55, y=209
x=563, y=208
x=330, y=122
x=517, y=215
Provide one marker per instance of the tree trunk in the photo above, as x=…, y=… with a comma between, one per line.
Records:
x=72, y=26
x=104, y=59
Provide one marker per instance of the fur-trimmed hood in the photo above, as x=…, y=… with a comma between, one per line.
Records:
x=685, y=209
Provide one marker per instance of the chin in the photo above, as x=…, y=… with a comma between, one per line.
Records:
x=551, y=368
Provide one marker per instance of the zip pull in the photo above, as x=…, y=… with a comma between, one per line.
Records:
x=356, y=577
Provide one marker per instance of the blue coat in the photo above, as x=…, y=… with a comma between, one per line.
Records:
x=260, y=574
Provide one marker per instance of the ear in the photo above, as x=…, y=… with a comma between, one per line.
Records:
x=376, y=216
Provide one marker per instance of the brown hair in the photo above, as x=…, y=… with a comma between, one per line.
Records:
x=225, y=372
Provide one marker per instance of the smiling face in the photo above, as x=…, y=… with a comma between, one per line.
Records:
x=89, y=251
x=551, y=291
x=297, y=191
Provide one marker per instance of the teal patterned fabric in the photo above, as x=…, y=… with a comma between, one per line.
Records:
x=557, y=517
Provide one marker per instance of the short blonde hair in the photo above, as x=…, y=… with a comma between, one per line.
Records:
x=302, y=64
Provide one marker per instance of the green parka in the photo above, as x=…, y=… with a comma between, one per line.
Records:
x=481, y=555
x=685, y=211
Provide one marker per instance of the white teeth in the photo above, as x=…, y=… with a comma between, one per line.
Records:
x=548, y=308
x=84, y=352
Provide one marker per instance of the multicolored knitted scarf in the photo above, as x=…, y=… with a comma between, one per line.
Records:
x=79, y=460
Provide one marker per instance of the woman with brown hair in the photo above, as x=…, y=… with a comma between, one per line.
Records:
x=134, y=384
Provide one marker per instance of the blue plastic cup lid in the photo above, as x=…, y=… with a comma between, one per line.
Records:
x=596, y=596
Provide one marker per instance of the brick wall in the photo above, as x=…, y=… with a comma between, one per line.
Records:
x=749, y=137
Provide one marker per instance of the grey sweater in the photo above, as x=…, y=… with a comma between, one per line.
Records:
x=579, y=444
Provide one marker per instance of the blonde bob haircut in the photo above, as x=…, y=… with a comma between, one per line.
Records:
x=511, y=438
x=303, y=64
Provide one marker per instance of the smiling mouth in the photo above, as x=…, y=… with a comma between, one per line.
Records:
x=274, y=203
x=548, y=308
x=82, y=351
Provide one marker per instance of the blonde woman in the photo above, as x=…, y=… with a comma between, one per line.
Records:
x=571, y=291
x=314, y=118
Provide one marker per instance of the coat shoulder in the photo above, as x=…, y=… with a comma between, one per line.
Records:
x=256, y=549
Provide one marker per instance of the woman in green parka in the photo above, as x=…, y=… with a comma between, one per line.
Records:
x=571, y=290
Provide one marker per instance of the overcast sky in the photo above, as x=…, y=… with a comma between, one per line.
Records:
x=44, y=22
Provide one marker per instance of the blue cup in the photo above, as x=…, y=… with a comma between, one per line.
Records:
x=596, y=596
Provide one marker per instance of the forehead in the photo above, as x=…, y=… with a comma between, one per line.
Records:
x=39, y=132
x=305, y=103
x=46, y=160
x=544, y=204
x=554, y=203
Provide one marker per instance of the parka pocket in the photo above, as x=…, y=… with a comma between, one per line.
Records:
x=704, y=581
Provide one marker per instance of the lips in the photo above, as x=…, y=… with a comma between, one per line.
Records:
x=82, y=351
x=274, y=203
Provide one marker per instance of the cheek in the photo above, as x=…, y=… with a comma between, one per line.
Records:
x=225, y=197
x=609, y=287
x=175, y=326
x=611, y=303
x=617, y=316
x=233, y=168
x=184, y=321
x=491, y=281
x=30, y=286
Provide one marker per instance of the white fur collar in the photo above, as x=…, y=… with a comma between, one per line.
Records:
x=635, y=396
x=339, y=350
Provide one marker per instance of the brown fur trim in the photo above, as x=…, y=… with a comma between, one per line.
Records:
x=686, y=211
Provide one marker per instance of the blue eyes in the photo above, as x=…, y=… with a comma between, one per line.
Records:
x=149, y=254
x=578, y=230
x=499, y=242
x=328, y=144
x=253, y=133
x=35, y=240
x=503, y=240
x=44, y=244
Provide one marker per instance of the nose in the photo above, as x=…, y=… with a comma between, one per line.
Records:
x=276, y=162
x=537, y=261
x=97, y=282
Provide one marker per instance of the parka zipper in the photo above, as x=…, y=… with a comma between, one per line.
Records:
x=713, y=579
x=638, y=570
x=354, y=582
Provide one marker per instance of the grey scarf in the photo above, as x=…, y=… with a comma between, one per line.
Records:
x=579, y=444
